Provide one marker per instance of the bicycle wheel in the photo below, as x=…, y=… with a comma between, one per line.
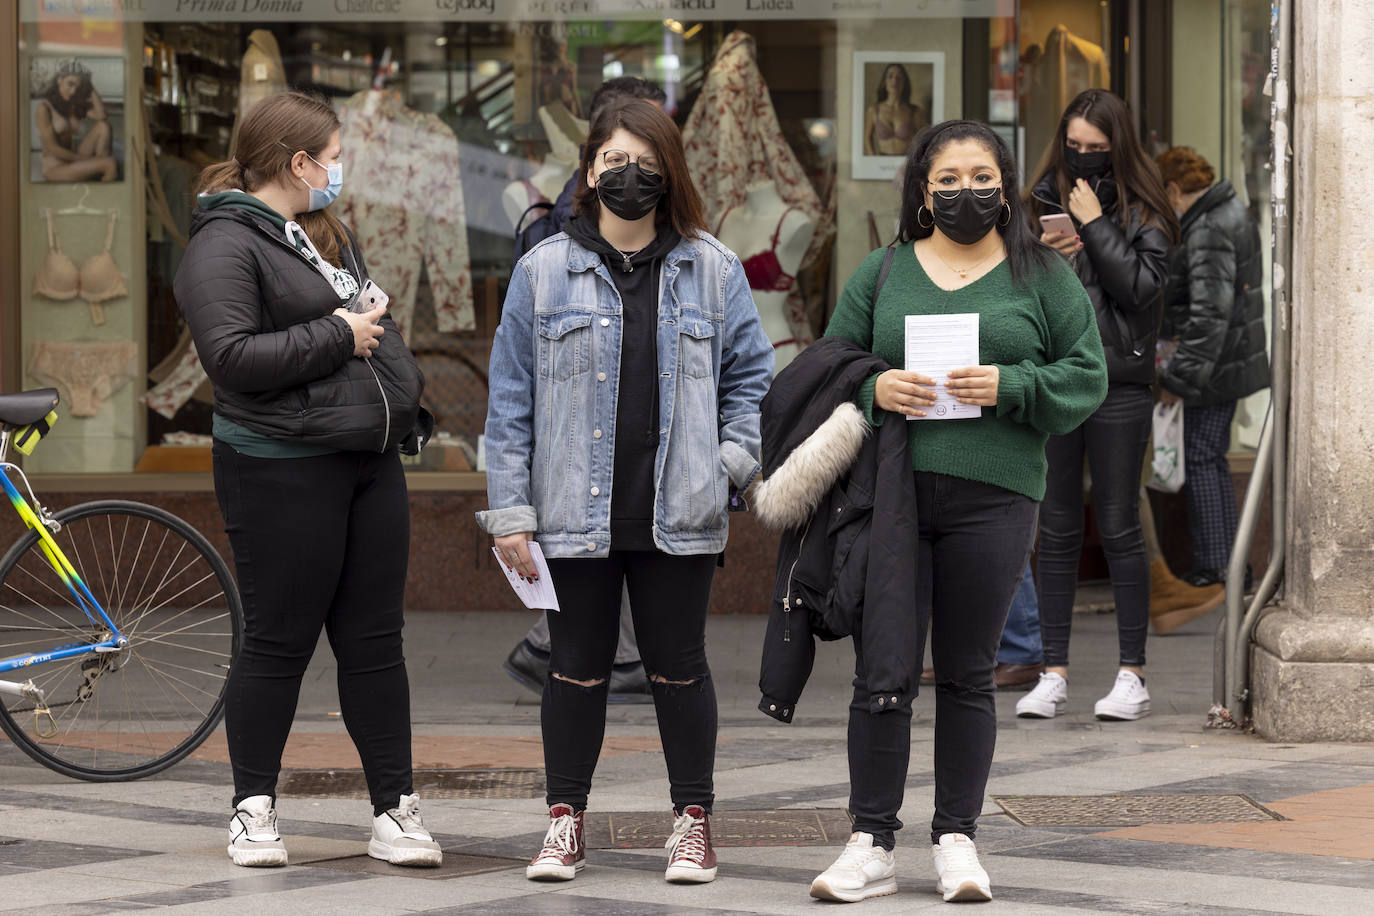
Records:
x=119, y=715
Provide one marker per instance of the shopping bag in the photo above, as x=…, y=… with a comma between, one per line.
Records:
x=1166, y=462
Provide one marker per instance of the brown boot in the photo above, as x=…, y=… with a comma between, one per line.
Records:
x=1174, y=602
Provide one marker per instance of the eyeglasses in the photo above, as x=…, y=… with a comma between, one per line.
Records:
x=983, y=193
x=616, y=160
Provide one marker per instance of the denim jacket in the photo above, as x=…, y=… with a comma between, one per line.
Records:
x=555, y=380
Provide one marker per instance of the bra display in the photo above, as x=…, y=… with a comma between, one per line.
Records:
x=96, y=280
x=885, y=131
x=763, y=269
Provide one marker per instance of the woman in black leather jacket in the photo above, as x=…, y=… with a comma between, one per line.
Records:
x=312, y=401
x=1098, y=172
x=1214, y=309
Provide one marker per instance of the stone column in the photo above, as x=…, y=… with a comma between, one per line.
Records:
x=1313, y=663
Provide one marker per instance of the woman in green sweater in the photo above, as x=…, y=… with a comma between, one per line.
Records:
x=964, y=248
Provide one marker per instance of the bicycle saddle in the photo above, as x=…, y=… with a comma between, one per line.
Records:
x=27, y=406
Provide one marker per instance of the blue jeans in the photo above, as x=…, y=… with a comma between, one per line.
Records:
x=1021, y=636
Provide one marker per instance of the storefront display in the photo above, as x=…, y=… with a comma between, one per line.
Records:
x=458, y=117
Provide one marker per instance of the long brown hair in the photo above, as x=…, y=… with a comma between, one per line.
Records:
x=1137, y=177
x=272, y=132
x=681, y=204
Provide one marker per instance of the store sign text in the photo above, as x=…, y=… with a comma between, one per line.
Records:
x=454, y=7
x=240, y=6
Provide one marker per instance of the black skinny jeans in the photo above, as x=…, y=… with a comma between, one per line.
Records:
x=973, y=542
x=318, y=542
x=1114, y=439
x=669, y=597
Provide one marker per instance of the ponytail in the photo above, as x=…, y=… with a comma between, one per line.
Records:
x=268, y=136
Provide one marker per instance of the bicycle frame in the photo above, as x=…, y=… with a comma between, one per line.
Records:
x=40, y=521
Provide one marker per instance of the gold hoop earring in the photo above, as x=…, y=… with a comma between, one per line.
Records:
x=1005, y=220
x=922, y=209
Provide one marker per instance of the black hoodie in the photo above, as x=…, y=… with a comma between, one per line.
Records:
x=282, y=363
x=636, y=413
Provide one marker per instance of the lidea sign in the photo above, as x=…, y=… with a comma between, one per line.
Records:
x=499, y=10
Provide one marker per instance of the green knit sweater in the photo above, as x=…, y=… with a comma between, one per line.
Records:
x=1041, y=335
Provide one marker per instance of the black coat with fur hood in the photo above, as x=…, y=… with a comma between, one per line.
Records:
x=846, y=502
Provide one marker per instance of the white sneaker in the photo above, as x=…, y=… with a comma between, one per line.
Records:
x=957, y=873
x=863, y=870
x=399, y=837
x=1128, y=700
x=1047, y=698
x=253, y=838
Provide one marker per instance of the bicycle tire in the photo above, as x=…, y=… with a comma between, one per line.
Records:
x=106, y=755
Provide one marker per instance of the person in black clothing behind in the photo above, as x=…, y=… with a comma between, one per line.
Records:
x=1214, y=308
x=1099, y=173
x=528, y=662
x=312, y=401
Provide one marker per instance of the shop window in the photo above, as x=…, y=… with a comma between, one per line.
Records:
x=795, y=131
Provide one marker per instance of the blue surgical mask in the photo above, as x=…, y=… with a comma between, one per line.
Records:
x=321, y=198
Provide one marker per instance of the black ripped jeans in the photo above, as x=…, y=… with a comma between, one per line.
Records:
x=669, y=597
x=318, y=542
x=974, y=539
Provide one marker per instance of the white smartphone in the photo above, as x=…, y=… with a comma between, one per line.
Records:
x=371, y=296
x=1057, y=222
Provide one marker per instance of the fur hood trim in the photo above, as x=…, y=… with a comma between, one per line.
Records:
x=791, y=494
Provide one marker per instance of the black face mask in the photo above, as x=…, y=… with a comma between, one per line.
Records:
x=967, y=217
x=630, y=193
x=1087, y=165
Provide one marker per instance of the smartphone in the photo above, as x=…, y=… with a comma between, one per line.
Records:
x=1057, y=222
x=370, y=297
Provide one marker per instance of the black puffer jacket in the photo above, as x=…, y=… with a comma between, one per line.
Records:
x=1124, y=269
x=281, y=362
x=846, y=499
x=1214, y=304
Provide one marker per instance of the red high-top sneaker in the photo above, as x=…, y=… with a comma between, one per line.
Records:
x=691, y=860
x=563, y=854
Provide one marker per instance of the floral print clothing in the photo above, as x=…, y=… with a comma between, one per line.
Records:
x=733, y=139
x=403, y=198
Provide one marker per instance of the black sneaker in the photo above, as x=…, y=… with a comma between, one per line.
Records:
x=629, y=684
x=528, y=665
x=1201, y=578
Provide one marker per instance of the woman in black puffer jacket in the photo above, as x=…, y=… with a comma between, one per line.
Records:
x=1214, y=309
x=312, y=401
x=1098, y=172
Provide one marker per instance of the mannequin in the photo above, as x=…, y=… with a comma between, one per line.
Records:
x=566, y=135
x=749, y=230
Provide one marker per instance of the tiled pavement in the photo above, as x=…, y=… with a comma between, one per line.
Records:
x=75, y=848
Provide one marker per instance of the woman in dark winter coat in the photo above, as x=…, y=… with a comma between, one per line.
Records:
x=1214, y=309
x=1098, y=173
x=312, y=400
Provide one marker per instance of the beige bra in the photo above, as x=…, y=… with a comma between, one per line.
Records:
x=97, y=280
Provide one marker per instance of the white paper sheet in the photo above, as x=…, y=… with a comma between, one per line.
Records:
x=935, y=345
x=539, y=594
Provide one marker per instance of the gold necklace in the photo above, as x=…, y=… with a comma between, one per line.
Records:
x=962, y=272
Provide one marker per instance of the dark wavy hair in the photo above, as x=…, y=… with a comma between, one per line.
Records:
x=1025, y=252
x=906, y=84
x=629, y=87
x=76, y=107
x=1138, y=183
x=681, y=204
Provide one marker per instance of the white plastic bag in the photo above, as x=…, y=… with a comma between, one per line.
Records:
x=1166, y=463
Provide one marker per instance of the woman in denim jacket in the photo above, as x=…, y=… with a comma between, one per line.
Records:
x=626, y=377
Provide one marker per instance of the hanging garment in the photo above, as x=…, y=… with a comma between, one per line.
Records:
x=763, y=269
x=733, y=139
x=1064, y=67
x=85, y=373
x=98, y=279
x=260, y=75
x=403, y=198
x=179, y=378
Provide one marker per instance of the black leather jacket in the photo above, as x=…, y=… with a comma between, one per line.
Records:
x=282, y=364
x=1124, y=269
x=846, y=499
x=1214, y=304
